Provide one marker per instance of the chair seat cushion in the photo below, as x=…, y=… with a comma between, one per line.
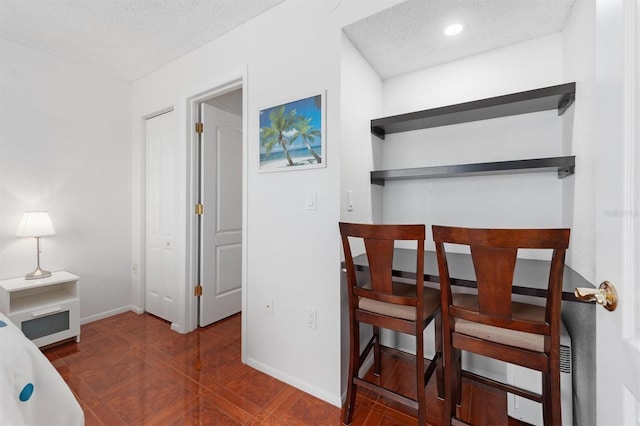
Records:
x=505, y=336
x=431, y=303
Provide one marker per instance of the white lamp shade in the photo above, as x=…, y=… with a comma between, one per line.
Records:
x=35, y=224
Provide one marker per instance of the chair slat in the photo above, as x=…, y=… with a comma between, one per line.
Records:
x=380, y=257
x=494, y=269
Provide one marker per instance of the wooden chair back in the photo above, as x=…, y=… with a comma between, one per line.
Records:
x=494, y=253
x=493, y=325
x=379, y=242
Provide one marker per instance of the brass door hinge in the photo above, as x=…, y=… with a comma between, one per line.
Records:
x=199, y=209
x=197, y=290
x=199, y=127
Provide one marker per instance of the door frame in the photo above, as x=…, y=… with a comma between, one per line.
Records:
x=233, y=81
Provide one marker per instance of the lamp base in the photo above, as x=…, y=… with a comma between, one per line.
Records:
x=37, y=274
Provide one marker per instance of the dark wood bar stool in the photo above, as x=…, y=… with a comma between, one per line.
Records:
x=383, y=303
x=491, y=324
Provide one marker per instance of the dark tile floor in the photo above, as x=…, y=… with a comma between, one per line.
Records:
x=132, y=369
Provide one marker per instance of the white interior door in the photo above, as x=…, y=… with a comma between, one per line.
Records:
x=221, y=233
x=161, y=259
x=618, y=210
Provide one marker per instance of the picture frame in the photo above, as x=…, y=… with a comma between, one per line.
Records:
x=292, y=135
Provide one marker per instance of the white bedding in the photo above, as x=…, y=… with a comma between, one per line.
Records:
x=31, y=390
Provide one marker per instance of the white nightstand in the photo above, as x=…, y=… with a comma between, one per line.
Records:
x=47, y=309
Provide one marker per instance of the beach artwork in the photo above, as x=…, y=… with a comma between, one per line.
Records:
x=292, y=136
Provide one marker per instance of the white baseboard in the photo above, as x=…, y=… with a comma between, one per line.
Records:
x=333, y=399
x=110, y=313
x=178, y=328
x=138, y=310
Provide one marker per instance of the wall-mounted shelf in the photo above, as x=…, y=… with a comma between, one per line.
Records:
x=558, y=97
x=564, y=166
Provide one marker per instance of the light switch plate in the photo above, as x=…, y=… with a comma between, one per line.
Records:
x=350, y=201
x=310, y=203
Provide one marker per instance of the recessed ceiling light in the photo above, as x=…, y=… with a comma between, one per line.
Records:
x=453, y=29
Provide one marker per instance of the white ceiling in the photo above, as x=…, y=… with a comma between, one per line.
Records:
x=123, y=38
x=131, y=38
x=409, y=36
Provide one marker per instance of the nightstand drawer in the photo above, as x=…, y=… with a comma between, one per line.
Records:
x=50, y=323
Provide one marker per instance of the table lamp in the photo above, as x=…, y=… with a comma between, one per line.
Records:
x=36, y=224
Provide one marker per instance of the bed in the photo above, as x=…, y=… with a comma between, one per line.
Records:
x=31, y=390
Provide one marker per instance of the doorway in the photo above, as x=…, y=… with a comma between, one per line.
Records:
x=217, y=241
x=220, y=220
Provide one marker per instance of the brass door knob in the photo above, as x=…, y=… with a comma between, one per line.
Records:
x=606, y=295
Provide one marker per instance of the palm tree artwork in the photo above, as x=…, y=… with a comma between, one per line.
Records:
x=307, y=132
x=281, y=123
x=291, y=135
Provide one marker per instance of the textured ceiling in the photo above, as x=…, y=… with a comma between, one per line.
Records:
x=409, y=37
x=130, y=38
x=123, y=38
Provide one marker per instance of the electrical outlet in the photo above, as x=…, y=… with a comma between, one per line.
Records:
x=267, y=306
x=311, y=318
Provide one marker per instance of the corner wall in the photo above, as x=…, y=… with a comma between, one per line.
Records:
x=64, y=147
x=579, y=65
x=360, y=100
x=579, y=40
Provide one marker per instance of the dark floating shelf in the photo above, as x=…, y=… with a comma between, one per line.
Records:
x=564, y=166
x=558, y=97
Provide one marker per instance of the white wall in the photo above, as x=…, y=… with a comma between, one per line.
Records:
x=515, y=200
x=579, y=38
x=64, y=147
x=579, y=47
x=514, y=68
x=360, y=101
x=293, y=254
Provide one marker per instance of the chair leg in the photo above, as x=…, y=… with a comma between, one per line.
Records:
x=546, y=406
x=421, y=395
x=354, y=368
x=458, y=373
x=438, y=344
x=377, y=354
x=551, y=397
x=450, y=373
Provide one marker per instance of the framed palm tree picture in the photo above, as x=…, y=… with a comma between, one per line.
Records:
x=292, y=135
